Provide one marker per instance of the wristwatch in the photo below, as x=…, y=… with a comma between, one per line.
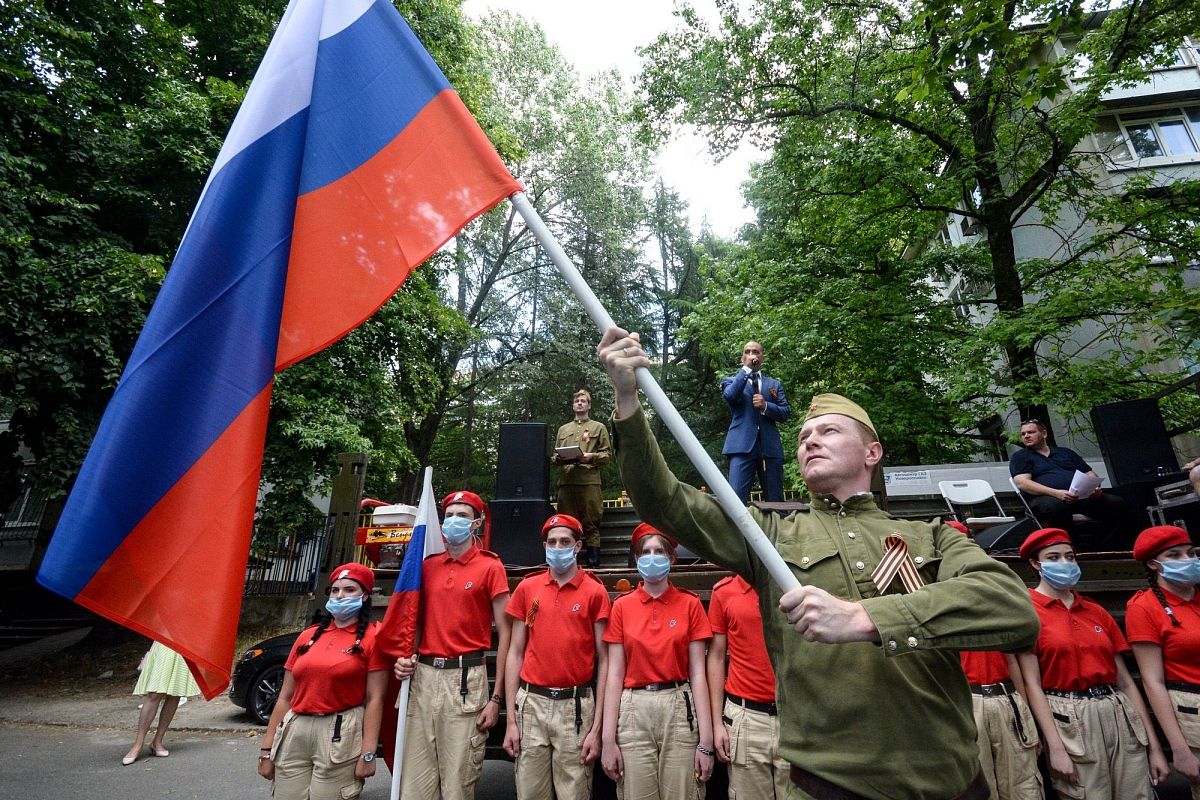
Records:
x=368, y=757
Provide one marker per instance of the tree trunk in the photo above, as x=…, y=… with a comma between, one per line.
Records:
x=469, y=419
x=1010, y=300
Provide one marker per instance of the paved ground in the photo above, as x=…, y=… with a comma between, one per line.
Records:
x=70, y=746
x=53, y=762
x=102, y=710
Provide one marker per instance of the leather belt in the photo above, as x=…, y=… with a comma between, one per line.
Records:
x=453, y=662
x=659, y=687
x=1099, y=690
x=1183, y=686
x=993, y=689
x=822, y=789
x=753, y=705
x=553, y=693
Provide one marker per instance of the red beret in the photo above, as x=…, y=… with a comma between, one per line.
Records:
x=1041, y=539
x=481, y=511
x=1153, y=541
x=562, y=521
x=361, y=574
x=958, y=526
x=469, y=498
x=646, y=529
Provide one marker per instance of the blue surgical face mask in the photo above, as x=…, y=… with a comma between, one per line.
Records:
x=653, y=567
x=560, y=559
x=1061, y=574
x=343, y=608
x=1184, y=571
x=456, y=530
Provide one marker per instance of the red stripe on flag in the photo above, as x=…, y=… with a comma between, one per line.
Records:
x=357, y=239
x=178, y=577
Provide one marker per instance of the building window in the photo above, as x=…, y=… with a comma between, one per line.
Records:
x=1154, y=134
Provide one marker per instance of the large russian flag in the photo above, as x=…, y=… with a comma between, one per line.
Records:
x=350, y=162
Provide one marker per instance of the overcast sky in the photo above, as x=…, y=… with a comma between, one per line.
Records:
x=599, y=36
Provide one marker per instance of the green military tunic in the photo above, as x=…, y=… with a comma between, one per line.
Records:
x=579, y=485
x=890, y=720
x=589, y=436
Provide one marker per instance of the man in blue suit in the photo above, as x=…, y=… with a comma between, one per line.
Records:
x=752, y=444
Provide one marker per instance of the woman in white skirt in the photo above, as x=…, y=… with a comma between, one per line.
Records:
x=164, y=679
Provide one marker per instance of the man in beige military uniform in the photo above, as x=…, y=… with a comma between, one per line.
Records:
x=579, y=485
x=872, y=699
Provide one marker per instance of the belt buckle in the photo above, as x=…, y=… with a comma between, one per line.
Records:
x=439, y=663
x=651, y=687
x=556, y=693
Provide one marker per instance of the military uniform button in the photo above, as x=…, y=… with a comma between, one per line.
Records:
x=860, y=565
x=850, y=534
x=891, y=644
x=805, y=560
x=912, y=641
x=919, y=559
x=842, y=514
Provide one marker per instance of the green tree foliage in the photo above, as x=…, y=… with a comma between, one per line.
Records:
x=887, y=120
x=575, y=150
x=114, y=113
x=108, y=132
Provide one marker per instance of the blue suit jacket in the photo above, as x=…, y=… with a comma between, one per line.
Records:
x=748, y=421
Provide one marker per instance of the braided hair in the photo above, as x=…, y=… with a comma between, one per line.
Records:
x=1152, y=579
x=323, y=618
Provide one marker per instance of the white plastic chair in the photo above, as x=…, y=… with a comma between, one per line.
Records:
x=973, y=493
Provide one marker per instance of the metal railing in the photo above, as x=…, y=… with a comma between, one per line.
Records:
x=293, y=565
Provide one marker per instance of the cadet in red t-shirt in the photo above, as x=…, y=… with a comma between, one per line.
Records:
x=1086, y=704
x=1006, y=733
x=554, y=683
x=747, y=735
x=450, y=707
x=321, y=740
x=1163, y=625
x=657, y=725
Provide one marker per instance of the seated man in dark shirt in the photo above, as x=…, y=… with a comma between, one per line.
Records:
x=1044, y=474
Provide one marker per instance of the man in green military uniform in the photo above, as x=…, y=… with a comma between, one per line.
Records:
x=872, y=698
x=579, y=485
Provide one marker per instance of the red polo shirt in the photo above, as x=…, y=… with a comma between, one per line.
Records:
x=456, y=602
x=560, y=644
x=328, y=679
x=733, y=610
x=1077, y=647
x=1147, y=621
x=655, y=633
x=984, y=667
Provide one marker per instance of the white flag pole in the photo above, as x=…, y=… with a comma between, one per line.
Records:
x=398, y=752
x=730, y=502
x=427, y=516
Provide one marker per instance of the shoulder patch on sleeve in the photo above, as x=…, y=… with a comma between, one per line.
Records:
x=722, y=582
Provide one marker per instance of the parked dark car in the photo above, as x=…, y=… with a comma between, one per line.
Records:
x=259, y=675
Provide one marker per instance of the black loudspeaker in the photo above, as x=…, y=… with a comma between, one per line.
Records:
x=517, y=531
x=1134, y=441
x=1009, y=536
x=523, y=465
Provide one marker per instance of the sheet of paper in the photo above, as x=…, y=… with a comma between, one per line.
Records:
x=1084, y=485
x=569, y=453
